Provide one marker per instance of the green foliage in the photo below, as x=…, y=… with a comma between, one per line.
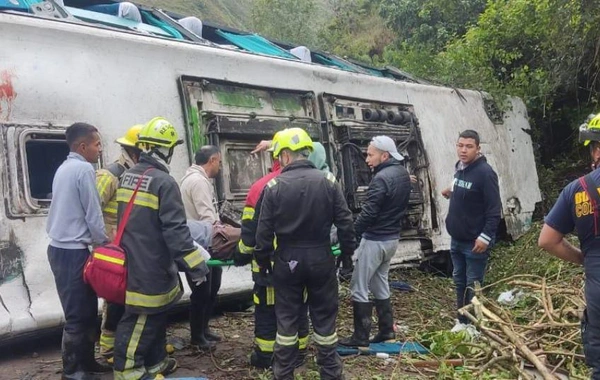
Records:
x=234, y=13
x=430, y=23
x=524, y=256
x=356, y=30
x=444, y=343
x=286, y=20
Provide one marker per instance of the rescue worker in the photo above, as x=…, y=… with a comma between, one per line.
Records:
x=577, y=209
x=265, y=322
x=299, y=207
x=74, y=223
x=200, y=204
x=107, y=183
x=378, y=226
x=158, y=245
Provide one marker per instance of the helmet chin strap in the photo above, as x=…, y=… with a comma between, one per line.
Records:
x=160, y=152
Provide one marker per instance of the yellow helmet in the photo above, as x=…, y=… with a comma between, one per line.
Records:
x=275, y=142
x=159, y=132
x=590, y=131
x=293, y=139
x=131, y=136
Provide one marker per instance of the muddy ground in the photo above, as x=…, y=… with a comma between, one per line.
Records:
x=427, y=308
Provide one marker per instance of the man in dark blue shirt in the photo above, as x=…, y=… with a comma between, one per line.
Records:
x=473, y=217
x=575, y=210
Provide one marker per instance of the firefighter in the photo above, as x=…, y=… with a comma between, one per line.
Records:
x=299, y=207
x=107, y=182
x=265, y=323
x=577, y=209
x=158, y=245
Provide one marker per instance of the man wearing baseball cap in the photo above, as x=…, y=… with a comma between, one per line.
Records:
x=379, y=227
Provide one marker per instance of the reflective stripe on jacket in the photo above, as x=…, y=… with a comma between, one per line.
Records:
x=156, y=239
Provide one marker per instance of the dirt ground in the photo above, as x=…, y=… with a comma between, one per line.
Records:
x=428, y=307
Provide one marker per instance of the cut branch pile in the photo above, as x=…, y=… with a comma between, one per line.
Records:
x=541, y=330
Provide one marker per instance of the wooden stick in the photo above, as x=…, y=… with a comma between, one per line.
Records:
x=525, y=351
x=437, y=363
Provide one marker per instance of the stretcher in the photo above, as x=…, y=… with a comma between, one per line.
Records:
x=220, y=263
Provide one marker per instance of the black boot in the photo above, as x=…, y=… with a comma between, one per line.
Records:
x=88, y=358
x=385, y=320
x=210, y=336
x=74, y=348
x=197, y=330
x=262, y=360
x=301, y=358
x=362, y=326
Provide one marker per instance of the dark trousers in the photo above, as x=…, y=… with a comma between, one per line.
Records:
x=78, y=300
x=204, y=296
x=80, y=306
x=590, y=325
x=469, y=267
x=140, y=346
x=265, y=323
x=314, y=271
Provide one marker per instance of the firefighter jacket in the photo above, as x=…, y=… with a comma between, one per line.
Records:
x=250, y=220
x=107, y=183
x=299, y=207
x=156, y=239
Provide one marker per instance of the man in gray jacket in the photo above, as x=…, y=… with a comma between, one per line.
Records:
x=378, y=224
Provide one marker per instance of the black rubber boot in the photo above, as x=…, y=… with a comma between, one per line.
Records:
x=301, y=358
x=362, y=326
x=385, y=320
x=197, y=318
x=74, y=347
x=88, y=358
x=262, y=360
x=210, y=336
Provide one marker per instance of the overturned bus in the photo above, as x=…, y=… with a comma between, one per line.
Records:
x=62, y=64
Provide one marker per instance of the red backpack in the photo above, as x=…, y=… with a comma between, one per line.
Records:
x=105, y=270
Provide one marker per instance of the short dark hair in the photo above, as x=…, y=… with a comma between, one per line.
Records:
x=470, y=134
x=205, y=153
x=78, y=132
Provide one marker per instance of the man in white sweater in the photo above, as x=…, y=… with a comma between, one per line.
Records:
x=200, y=204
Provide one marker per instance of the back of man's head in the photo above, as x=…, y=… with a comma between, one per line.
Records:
x=204, y=154
x=78, y=133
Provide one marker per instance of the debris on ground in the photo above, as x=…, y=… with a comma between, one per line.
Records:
x=542, y=330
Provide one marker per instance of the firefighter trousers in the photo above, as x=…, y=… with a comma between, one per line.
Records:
x=265, y=325
x=140, y=346
x=111, y=315
x=590, y=325
x=296, y=269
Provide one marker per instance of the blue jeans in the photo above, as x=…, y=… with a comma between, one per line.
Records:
x=469, y=267
x=78, y=300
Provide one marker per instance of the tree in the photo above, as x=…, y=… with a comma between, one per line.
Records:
x=290, y=21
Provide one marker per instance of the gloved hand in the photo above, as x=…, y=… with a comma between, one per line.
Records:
x=265, y=265
x=265, y=270
x=241, y=259
x=200, y=281
x=345, y=272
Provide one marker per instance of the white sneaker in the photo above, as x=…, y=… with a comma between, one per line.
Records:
x=472, y=331
x=458, y=327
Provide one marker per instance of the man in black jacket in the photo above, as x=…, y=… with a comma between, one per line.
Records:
x=299, y=206
x=378, y=224
x=472, y=219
